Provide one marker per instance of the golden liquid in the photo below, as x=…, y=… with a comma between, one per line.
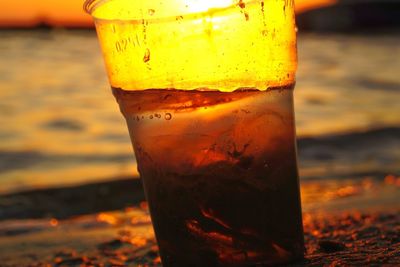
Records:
x=220, y=174
x=188, y=44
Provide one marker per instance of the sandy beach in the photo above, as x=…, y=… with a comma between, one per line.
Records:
x=70, y=193
x=126, y=239
x=108, y=224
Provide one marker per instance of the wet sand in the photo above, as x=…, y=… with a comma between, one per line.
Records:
x=107, y=224
x=126, y=239
x=66, y=202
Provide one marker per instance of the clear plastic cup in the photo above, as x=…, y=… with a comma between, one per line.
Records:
x=206, y=88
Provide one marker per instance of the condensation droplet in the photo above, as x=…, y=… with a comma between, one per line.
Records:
x=151, y=117
x=168, y=116
x=146, y=57
x=264, y=32
x=151, y=11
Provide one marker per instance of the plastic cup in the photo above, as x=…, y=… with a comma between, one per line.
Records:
x=206, y=88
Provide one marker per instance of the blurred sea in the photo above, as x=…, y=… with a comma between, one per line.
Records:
x=60, y=125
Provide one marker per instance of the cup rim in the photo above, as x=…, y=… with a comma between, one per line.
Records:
x=90, y=5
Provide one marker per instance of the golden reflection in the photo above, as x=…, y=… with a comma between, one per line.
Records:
x=144, y=206
x=43, y=176
x=138, y=241
x=53, y=222
x=392, y=180
x=157, y=260
x=345, y=191
x=107, y=218
x=331, y=196
x=314, y=192
x=172, y=47
x=140, y=220
x=205, y=5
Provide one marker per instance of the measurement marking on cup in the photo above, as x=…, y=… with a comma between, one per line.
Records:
x=123, y=44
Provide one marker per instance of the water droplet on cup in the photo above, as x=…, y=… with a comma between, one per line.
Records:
x=168, y=116
x=146, y=57
x=151, y=117
x=151, y=11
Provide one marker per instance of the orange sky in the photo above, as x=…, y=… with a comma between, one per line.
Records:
x=70, y=13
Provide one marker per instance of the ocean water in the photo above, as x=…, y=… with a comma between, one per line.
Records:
x=60, y=125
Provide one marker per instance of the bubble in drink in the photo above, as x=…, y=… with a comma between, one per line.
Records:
x=221, y=177
x=168, y=116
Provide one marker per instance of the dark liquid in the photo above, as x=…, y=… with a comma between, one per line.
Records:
x=220, y=174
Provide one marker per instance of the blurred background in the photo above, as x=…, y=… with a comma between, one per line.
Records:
x=60, y=125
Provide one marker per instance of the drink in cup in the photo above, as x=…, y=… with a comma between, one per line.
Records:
x=206, y=88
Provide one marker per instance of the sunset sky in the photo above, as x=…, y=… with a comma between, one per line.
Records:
x=27, y=13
